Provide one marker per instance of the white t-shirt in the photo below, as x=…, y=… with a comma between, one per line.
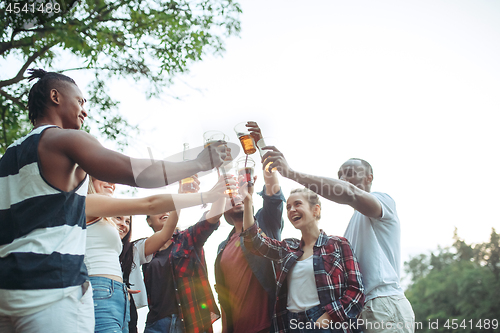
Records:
x=302, y=292
x=102, y=252
x=376, y=244
x=135, y=278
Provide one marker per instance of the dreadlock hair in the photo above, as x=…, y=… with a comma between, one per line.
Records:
x=39, y=95
x=312, y=198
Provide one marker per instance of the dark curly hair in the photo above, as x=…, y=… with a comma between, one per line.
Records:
x=39, y=95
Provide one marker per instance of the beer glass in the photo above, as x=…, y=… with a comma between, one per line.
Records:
x=267, y=141
x=209, y=137
x=187, y=184
x=247, y=141
x=245, y=167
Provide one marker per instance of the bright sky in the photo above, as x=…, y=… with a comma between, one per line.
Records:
x=411, y=86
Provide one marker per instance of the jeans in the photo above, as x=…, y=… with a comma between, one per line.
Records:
x=170, y=324
x=111, y=305
x=304, y=321
x=72, y=314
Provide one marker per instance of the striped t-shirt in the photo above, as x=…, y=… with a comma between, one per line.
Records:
x=42, y=232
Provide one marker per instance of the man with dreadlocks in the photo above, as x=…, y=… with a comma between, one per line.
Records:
x=43, y=183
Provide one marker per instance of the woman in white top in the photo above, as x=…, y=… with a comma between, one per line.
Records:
x=104, y=245
x=318, y=287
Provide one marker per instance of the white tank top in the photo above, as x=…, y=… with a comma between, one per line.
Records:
x=103, y=249
x=302, y=292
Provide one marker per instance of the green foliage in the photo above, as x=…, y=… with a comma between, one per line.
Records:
x=460, y=283
x=148, y=41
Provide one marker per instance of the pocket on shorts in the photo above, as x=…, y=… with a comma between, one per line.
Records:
x=100, y=291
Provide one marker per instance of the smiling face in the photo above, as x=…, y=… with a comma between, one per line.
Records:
x=300, y=212
x=104, y=188
x=123, y=225
x=71, y=101
x=156, y=221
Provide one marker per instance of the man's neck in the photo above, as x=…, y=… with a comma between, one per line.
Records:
x=238, y=226
x=42, y=121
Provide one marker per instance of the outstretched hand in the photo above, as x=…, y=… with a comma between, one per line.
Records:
x=277, y=160
x=222, y=188
x=247, y=188
x=254, y=130
x=196, y=186
x=212, y=156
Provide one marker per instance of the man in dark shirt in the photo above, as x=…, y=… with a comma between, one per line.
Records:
x=245, y=283
x=179, y=295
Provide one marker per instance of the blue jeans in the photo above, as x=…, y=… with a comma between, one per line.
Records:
x=303, y=322
x=111, y=305
x=170, y=324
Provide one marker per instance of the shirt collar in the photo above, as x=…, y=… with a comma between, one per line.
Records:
x=321, y=241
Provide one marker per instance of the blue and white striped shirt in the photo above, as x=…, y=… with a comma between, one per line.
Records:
x=42, y=232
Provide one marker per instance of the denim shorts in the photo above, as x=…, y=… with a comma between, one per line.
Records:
x=170, y=324
x=111, y=305
x=303, y=322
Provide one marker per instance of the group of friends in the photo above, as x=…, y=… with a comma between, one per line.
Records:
x=68, y=263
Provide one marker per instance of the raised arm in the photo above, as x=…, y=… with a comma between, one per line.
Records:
x=270, y=178
x=335, y=190
x=158, y=239
x=111, y=166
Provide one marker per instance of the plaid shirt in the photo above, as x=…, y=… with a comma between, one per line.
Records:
x=197, y=307
x=338, y=279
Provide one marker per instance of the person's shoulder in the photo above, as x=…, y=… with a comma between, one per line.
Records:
x=333, y=239
x=383, y=196
x=55, y=136
x=292, y=242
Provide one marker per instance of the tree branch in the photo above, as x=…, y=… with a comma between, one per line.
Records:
x=20, y=74
x=13, y=99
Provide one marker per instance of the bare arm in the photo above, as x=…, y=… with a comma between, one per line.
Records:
x=97, y=205
x=158, y=239
x=111, y=166
x=335, y=190
x=248, y=219
x=270, y=178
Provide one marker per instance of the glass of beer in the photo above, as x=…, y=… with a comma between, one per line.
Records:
x=187, y=184
x=245, y=167
x=263, y=143
x=246, y=139
x=210, y=137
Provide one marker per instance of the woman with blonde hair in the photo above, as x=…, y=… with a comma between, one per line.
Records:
x=104, y=245
x=318, y=286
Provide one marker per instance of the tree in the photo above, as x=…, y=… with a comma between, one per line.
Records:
x=148, y=41
x=459, y=283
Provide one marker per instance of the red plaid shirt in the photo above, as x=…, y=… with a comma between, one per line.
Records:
x=197, y=304
x=338, y=279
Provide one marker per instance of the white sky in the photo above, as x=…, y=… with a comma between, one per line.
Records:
x=411, y=86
